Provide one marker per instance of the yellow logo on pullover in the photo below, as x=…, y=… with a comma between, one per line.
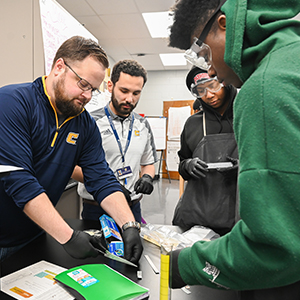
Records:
x=72, y=137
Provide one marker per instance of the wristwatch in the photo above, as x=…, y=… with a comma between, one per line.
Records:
x=135, y=224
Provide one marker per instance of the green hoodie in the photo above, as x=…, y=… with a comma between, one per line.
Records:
x=263, y=249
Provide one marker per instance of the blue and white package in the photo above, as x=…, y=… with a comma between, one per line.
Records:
x=112, y=235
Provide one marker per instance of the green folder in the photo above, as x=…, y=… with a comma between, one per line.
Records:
x=98, y=281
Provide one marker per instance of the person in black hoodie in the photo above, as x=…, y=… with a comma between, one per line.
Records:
x=209, y=198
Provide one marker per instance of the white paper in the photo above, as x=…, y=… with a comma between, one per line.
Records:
x=35, y=282
x=172, y=156
x=176, y=120
x=4, y=168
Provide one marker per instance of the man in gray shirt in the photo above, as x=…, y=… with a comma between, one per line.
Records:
x=127, y=140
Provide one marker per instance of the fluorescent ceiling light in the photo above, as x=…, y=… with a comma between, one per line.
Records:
x=158, y=23
x=173, y=59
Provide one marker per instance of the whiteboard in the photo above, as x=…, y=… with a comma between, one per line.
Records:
x=57, y=26
x=158, y=127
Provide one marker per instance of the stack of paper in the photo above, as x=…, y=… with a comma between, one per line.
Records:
x=35, y=282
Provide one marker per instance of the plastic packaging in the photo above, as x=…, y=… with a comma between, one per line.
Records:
x=160, y=234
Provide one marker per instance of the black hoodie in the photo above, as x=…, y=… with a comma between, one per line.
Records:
x=192, y=132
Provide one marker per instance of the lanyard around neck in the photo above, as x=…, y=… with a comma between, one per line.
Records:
x=117, y=136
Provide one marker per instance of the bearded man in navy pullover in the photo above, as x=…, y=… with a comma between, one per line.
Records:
x=46, y=131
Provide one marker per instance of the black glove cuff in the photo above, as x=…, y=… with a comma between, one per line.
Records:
x=182, y=169
x=175, y=279
x=148, y=176
x=73, y=237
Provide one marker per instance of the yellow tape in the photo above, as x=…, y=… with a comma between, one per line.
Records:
x=164, y=276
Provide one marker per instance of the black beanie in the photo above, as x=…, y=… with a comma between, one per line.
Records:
x=195, y=75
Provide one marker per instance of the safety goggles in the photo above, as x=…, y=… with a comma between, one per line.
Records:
x=200, y=53
x=211, y=84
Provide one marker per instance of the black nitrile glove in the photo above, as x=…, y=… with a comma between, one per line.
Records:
x=126, y=194
x=175, y=280
x=133, y=247
x=230, y=171
x=144, y=185
x=80, y=245
x=195, y=167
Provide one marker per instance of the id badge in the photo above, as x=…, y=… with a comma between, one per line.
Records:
x=124, y=172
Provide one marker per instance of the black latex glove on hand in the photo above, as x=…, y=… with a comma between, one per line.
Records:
x=80, y=245
x=144, y=185
x=230, y=171
x=133, y=247
x=175, y=280
x=195, y=167
x=126, y=194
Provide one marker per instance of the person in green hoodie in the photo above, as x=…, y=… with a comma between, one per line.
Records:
x=254, y=45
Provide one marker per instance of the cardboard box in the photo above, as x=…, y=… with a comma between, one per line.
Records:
x=112, y=235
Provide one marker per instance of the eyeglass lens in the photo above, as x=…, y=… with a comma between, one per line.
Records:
x=84, y=84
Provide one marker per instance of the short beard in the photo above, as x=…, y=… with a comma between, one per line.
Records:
x=65, y=105
x=120, y=111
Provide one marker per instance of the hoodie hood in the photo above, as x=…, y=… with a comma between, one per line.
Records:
x=212, y=114
x=255, y=28
x=230, y=93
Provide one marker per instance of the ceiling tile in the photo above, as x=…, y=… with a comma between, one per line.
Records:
x=154, y=5
x=151, y=62
x=121, y=30
x=146, y=45
x=111, y=7
x=114, y=48
x=77, y=7
x=126, y=25
x=95, y=26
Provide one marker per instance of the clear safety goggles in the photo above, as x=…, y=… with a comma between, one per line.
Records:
x=211, y=84
x=199, y=53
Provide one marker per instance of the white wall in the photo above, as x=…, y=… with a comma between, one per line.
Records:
x=162, y=86
x=21, y=58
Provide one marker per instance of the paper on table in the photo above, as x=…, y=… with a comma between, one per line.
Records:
x=35, y=282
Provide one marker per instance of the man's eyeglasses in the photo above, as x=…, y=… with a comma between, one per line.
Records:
x=200, y=90
x=84, y=84
x=200, y=53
